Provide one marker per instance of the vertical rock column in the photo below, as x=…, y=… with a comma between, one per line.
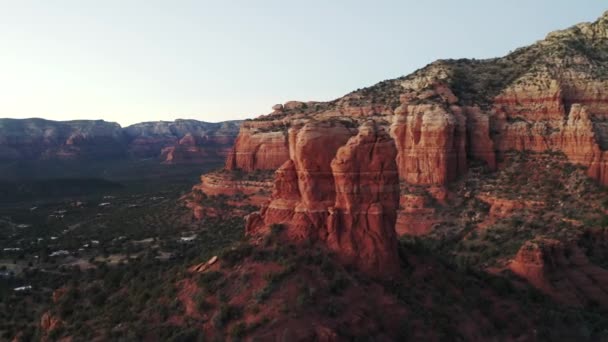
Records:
x=361, y=224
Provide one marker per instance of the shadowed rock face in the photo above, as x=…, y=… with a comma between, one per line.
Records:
x=181, y=141
x=43, y=139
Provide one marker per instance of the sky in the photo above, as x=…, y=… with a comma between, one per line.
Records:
x=144, y=60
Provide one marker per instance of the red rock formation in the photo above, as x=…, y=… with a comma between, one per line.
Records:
x=242, y=192
x=562, y=271
x=348, y=201
x=581, y=144
x=361, y=223
x=479, y=143
x=312, y=148
x=214, y=184
x=548, y=127
x=259, y=146
x=415, y=216
x=48, y=322
x=503, y=207
x=431, y=142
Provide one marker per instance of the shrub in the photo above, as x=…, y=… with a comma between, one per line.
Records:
x=239, y=330
x=338, y=284
x=210, y=281
x=276, y=229
x=225, y=314
x=232, y=256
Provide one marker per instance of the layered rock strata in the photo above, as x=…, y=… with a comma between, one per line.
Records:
x=341, y=189
x=181, y=141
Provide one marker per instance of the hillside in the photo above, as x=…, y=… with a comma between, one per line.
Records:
x=495, y=166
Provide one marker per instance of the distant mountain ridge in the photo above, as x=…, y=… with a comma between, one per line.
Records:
x=179, y=141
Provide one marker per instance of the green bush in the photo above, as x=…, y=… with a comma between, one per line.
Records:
x=225, y=314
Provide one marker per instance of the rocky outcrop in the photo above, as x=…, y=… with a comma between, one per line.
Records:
x=239, y=193
x=304, y=185
x=431, y=141
x=48, y=322
x=361, y=223
x=225, y=183
x=181, y=141
x=562, y=271
x=416, y=215
x=259, y=146
x=443, y=119
x=341, y=189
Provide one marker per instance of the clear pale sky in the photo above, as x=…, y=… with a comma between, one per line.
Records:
x=130, y=61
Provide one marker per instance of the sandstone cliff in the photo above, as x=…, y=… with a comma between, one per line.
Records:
x=346, y=197
x=546, y=98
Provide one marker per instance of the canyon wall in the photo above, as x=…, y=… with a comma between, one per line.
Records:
x=181, y=141
x=336, y=161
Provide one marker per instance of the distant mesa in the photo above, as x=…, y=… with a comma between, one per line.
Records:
x=176, y=142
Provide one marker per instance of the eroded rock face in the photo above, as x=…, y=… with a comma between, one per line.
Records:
x=562, y=271
x=259, y=146
x=341, y=189
x=33, y=139
x=304, y=185
x=431, y=143
x=241, y=191
x=361, y=223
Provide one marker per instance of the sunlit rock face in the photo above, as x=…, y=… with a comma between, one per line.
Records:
x=440, y=121
x=341, y=188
